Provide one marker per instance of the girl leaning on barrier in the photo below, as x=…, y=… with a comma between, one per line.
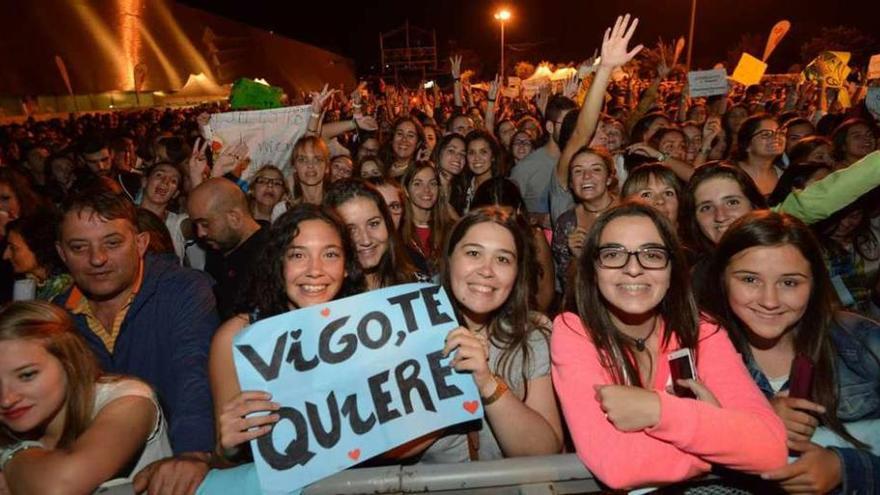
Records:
x=65, y=427
x=777, y=301
x=630, y=310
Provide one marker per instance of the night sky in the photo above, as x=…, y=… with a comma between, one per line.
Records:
x=567, y=30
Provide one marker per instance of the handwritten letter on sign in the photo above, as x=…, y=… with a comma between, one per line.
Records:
x=355, y=378
x=707, y=82
x=269, y=134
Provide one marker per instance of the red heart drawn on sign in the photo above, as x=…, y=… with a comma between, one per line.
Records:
x=470, y=406
x=325, y=312
x=354, y=454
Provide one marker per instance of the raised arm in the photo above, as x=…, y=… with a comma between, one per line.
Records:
x=455, y=64
x=614, y=54
x=492, y=96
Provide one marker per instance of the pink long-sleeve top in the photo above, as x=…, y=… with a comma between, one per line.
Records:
x=743, y=434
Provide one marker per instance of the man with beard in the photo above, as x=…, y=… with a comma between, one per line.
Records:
x=220, y=215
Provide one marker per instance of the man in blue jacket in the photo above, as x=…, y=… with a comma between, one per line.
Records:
x=143, y=315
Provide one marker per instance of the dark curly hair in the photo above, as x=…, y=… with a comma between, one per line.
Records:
x=266, y=293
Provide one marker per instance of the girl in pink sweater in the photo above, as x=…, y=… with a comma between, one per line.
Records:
x=633, y=308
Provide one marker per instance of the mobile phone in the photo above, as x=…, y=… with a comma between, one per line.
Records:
x=681, y=367
x=800, y=379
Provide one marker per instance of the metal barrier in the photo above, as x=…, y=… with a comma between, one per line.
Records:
x=552, y=474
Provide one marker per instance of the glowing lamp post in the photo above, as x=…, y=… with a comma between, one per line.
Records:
x=503, y=16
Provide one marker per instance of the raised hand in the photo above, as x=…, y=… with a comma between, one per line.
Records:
x=570, y=87
x=198, y=161
x=711, y=130
x=455, y=64
x=321, y=98
x=494, y=86
x=542, y=98
x=615, y=42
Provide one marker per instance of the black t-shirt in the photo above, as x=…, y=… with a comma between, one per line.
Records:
x=232, y=271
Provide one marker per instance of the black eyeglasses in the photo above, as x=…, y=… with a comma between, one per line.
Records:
x=650, y=258
x=265, y=181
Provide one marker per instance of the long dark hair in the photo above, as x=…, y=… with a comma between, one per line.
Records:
x=510, y=326
x=677, y=308
x=691, y=232
x=812, y=337
x=441, y=220
x=266, y=294
x=395, y=266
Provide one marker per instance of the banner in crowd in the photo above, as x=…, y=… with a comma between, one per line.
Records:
x=355, y=378
x=874, y=67
x=830, y=67
x=749, y=70
x=707, y=82
x=269, y=134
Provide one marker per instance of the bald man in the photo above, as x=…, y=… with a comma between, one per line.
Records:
x=219, y=211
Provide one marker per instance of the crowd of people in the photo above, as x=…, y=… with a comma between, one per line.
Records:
x=585, y=237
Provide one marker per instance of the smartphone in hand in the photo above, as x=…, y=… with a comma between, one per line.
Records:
x=681, y=367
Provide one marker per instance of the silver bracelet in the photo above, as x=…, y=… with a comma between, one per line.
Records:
x=14, y=450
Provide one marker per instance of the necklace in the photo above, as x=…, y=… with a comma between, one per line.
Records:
x=640, y=342
x=600, y=210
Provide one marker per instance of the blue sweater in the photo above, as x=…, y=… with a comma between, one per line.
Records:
x=165, y=340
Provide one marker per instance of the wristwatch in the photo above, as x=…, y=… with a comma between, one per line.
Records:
x=500, y=389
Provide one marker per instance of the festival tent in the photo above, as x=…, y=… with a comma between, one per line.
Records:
x=198, y=88
x=102, y=41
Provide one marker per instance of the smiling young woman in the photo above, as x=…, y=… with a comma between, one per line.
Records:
x=776, y=299
x=631, y=307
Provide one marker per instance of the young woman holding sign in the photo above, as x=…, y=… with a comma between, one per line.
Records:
x=631, y=313
x=308, y=261
x=501, y=343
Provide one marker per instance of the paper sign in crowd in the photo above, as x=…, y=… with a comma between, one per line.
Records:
x=269, y=135
x=355, y=378
x=749, y=70
x=707, y=82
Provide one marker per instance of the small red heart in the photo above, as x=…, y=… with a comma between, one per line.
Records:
x=470, y=406
x=325, y=312
x=354, y=454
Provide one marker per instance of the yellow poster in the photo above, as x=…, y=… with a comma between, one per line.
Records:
x=749, y=70
x=830, y=67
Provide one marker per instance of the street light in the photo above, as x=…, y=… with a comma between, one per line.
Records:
x=691, y=33
x=502, y=15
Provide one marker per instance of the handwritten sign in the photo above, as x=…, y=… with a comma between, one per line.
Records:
x=355, y=378
x=749, y=70
x=269, y=134
x=874, y=67
x=707, y=82
x=830, y=67
x=248, y=94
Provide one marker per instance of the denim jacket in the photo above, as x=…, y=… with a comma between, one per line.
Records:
x=857, y=342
